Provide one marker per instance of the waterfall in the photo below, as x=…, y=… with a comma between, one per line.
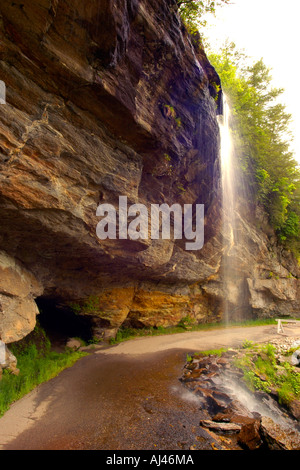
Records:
x=230, y=178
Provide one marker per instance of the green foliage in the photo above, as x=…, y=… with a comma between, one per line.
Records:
x=189, y=358
x=285, y=394
x=76, y=308
x=290, y=388
x=247, y=344
x=36, y=338
x=269, y=350
x=260, y=126
x=181, y=188
x=170, y=111
x=211, y=352
x=254, y=382
x=291, y=226
x=261, y=372
x=37, y=364
x=186, y=322
x=90, y=306
x=178, y=121
x=192, y=11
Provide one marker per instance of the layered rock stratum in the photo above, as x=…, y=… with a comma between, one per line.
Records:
x=109, y=99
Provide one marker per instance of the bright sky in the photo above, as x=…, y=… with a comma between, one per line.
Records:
x=267, y=29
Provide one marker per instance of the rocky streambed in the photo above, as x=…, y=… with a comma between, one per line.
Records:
x=242, y=407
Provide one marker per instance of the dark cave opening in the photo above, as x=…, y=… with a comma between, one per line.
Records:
x=61, y=323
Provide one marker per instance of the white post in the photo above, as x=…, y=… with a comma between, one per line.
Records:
x=279, y=326
x=2, y=353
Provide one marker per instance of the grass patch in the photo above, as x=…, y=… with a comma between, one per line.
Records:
x=37, y=364
x=211, y=352
x=263, y=372
x=186, y=324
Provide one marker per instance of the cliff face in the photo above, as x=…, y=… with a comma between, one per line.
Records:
x=109, y=99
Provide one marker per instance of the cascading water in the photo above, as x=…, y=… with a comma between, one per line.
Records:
x=234, y=192
x=230, y=177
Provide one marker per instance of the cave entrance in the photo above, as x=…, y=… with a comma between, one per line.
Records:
x=61, y=323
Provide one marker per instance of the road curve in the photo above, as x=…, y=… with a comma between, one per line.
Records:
x=123, y=397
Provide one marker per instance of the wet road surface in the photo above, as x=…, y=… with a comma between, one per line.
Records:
x=116, y=402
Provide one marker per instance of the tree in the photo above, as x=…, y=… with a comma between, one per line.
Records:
x=192, y=11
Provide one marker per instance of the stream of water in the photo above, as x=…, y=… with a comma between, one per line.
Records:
x=231, y=186
x=229, y=199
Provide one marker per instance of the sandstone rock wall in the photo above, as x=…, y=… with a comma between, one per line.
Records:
x=106, y=98
x=17, y=307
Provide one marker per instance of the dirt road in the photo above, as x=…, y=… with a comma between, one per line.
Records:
x=123, y=397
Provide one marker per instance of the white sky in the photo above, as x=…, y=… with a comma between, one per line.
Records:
x=268, y=29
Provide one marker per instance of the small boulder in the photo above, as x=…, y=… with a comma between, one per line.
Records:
x=294, y=407
x=220, y=427
x=73, y=343
x=8, y=360
x=295, y=359
x=278, y=438
x=249, y=436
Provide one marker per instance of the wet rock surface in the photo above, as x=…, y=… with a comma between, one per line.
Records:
x=92, y=113
x=88, y=120
x=18, y=288
x=249, y=420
